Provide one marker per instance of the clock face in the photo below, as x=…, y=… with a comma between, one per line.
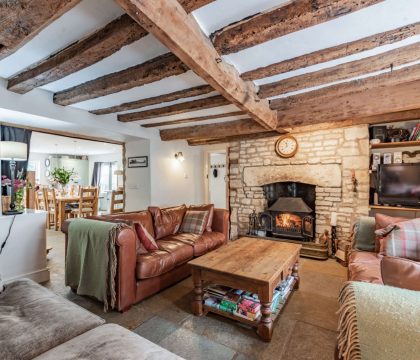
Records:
x=286, y=146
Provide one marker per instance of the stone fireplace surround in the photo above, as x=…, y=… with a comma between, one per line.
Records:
x=326, y=159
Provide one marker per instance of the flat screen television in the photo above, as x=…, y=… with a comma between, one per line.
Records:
x=399, y=184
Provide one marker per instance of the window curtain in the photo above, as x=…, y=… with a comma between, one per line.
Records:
x=96, y=176
x=9, y=133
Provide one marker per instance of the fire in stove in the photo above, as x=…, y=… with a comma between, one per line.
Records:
x=289, y=222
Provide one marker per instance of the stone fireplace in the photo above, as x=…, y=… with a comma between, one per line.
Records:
x=325, y=161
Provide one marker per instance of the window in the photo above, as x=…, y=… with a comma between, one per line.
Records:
x=107, y=180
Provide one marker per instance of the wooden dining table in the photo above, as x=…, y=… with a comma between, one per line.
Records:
x=62, y=200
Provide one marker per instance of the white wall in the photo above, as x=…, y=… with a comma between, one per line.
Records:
x=40, y=159
x=166, y=181
x=173, y=182
x=137, y=180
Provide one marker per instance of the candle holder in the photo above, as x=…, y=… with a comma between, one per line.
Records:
x=333, y=240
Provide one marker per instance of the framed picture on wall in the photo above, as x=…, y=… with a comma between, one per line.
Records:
x=138, y=162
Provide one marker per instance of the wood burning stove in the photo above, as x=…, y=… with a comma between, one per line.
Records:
x=288, y=215
x=291, y=217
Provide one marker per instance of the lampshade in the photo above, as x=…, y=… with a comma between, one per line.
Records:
x=12, y=150
x=118, y=172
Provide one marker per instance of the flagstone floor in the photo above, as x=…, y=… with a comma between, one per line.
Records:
x=306, y=329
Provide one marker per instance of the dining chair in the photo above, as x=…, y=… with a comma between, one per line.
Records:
x=51, y=207
x=39, y=199
x=88, y=202
x=117, y=201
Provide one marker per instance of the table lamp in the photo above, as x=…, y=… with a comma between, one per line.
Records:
x=13, y=151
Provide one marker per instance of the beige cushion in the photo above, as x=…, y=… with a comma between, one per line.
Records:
x=34, y=320
x=108, y=342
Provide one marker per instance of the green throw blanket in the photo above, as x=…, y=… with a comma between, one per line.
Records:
x=378, y=322
x=91, y=261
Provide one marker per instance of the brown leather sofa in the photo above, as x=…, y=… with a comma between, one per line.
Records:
x=142, y=275
x=367, y=264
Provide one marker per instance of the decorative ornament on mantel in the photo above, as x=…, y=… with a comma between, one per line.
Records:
x=354, y=181
x=286, y=146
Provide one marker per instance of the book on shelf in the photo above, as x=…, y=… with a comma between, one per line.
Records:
x=415, y=133
x=242, y=303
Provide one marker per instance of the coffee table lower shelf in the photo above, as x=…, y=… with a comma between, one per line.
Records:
x=249, y=322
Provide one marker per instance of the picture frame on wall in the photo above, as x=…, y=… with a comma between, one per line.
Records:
x=138, y=162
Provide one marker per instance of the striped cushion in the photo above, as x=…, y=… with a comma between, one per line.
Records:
x=194, y=222
x=404, y=240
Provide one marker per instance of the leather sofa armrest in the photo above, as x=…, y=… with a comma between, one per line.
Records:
x=126, y=269
x=126, y=265
x=221, y=222
x=400, y=272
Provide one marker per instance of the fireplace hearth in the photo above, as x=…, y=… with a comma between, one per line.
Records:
x=288, y=214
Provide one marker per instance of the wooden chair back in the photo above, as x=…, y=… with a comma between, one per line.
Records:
x=51, y=207
x=88, y=201
x=117, y=201
x=39, y=199
x=50, y=201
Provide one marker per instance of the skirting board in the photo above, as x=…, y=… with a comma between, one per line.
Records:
x=38, y=276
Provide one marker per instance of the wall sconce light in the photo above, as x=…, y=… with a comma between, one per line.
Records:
x=179, y=156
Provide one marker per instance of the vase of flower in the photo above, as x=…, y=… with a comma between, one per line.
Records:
x=61, y=177
x=19, y=186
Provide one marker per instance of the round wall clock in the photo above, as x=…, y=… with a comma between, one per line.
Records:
x=286, y=146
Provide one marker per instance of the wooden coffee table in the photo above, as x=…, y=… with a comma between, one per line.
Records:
x=248, y=264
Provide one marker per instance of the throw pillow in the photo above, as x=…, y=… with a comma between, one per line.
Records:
x=363, y=237
x=402, y=273
x=381, y=222
x=194, y=222
x=147, y=240
x=167, y=221
x=206, y=207
x=404, y=240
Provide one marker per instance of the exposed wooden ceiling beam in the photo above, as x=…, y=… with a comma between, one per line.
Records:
x=153, y=70
x=376, y=119
x=364, y=103
x=88, y=51
x=284, y=19
x=83, y=53
x=237, y=127
x=333, y=53
x=169, y=23
x=193, y=119
x=396, y=77
x=371, y=64
x=21, y=20
x=193, y=105
x=181, y=94
x=233, y=138
x=191, y=5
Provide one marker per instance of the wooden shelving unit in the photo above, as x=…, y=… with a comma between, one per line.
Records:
x=248, y=322
x=386, y=207
x=395, y=144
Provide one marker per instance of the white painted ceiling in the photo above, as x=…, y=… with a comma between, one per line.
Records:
x=55, y=144
x=88, y=16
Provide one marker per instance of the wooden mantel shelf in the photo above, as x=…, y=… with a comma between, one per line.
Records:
x=395, y=144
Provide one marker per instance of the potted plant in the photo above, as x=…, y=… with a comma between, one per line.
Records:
x=61, y=176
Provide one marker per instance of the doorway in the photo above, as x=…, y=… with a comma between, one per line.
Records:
x=217, y=179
